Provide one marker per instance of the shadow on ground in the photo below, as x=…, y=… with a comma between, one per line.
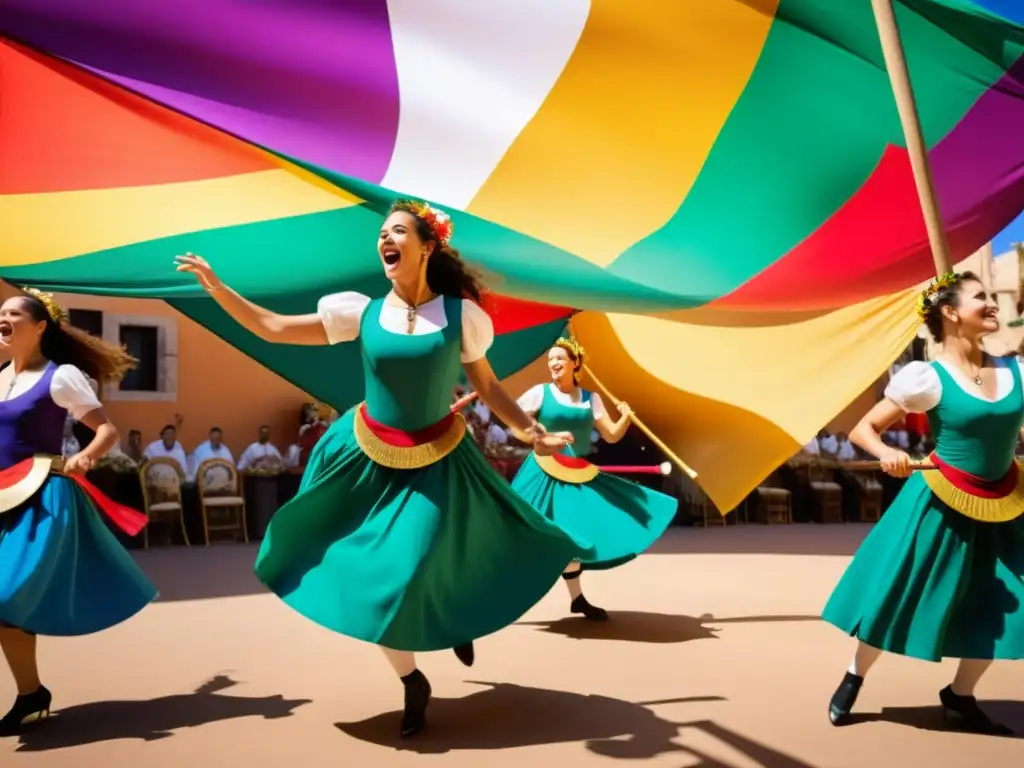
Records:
x=834, y=539
x=1009, y=713
x=508, y=716
x=153, y=719
x=645, y=627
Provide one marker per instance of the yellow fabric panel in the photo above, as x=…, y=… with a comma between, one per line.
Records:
x=94, y=220
x=625, y=75
x=735, y=402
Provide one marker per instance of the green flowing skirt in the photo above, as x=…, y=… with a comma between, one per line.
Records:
x=415, y=560
x=930, y=583
x=619, y=518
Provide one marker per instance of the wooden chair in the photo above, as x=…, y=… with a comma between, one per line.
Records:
x=220, y=497
x=775, y=504
x=870, y=501
x=161, y=479
x=828, y=494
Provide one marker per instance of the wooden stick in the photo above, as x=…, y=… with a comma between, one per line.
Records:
x=463, y=401
x=899, y=77
x=643, y=427
x=871, y=465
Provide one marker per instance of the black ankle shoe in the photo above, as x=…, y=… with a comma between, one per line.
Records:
x=465, y=653
x=592, y=612
x=844, y=698
x=971, y=716
x=417, y=696
x=27, y=709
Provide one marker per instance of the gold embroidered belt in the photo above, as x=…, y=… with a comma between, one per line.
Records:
x=988, y=501
x=568, y=469
x=399, y=449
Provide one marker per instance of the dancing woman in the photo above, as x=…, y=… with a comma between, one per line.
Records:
x=402, y=534
x=942, y=574
x=62, y=572
x=619, y=518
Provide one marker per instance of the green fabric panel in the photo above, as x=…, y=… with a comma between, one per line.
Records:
x=333, y=251
x=334, y=374
x=819, y=98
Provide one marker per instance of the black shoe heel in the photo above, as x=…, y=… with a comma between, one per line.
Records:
x=417, y=697
x=844, y=698
x=465, y=653
x=28, y=709
x=582, y=605
x=969, y=716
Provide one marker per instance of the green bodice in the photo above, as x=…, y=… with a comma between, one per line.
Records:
x=975, y=435
x=578, y=419
x=409, y=378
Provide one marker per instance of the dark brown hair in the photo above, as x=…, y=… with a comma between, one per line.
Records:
x=949, y=296
x=447, y=273
x=64, y=344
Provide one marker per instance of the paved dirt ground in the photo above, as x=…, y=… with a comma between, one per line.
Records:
x=714, y=657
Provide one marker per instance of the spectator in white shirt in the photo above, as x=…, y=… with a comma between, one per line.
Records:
x=496, y=435
x=70, y=446
x=168, y=447
x=261, y=454
x=828, y=444
x=846, y=450
x=213, y=448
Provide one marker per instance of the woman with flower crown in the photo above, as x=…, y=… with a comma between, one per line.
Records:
x=941, y=575
x=402, y=535
x=62, y=572
x=619, y=518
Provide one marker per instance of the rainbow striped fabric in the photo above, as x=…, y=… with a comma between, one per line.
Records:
x=721, y=187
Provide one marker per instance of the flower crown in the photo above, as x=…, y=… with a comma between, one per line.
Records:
x=572, y=346
x=925, y=301
x=440, y=223
x=55, y=310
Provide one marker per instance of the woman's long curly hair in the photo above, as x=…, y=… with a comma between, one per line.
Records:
x=447, y=273
x=64, y=344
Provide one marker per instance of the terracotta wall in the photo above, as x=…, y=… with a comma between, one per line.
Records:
x=217, y=385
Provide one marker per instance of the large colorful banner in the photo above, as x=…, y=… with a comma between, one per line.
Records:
x=721, y=188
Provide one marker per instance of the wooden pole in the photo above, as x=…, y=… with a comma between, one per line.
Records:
x=899, y=77
x=659, y=444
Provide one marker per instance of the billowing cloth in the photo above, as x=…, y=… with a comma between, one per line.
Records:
x=133, y=133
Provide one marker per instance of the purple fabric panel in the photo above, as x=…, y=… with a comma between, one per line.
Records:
x=313, y=79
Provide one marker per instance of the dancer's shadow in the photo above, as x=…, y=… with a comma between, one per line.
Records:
x=644, y=627
x=506, y=716
x=149, y=720
x=1009, y=713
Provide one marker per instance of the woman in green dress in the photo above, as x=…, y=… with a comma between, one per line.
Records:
x=942, y=574
x=619, y=518
x=402, y=535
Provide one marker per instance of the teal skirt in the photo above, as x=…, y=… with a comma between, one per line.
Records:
x=930, y=583
x=62, y=572
x=619, y=518
x=415, y=560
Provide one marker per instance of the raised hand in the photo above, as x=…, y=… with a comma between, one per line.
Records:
x=202, y=270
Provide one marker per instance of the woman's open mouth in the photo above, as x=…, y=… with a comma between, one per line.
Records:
x=6, y=331
x=391, y=256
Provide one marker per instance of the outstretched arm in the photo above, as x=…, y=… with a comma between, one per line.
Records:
x=610, y=431
x=277, y=329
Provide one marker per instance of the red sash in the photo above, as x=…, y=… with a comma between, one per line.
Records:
x=26, y=477
x=402, y=439
x=978, y=486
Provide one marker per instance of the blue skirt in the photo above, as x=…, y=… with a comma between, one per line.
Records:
x=62, y=571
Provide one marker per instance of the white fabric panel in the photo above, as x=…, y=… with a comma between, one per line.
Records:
x=471, y=75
